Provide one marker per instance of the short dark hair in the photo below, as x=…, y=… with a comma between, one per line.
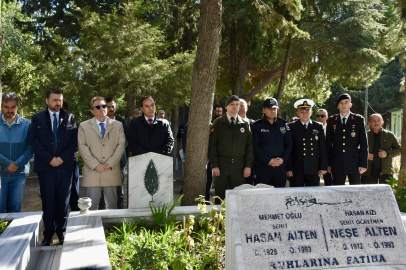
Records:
x=144, y=98
x=217, y=106
x=64, y=106
x=9, y=96
x=109, y=99
x=160, y=109
x=53, y=90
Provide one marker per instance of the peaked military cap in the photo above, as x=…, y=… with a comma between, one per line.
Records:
x=304, y=103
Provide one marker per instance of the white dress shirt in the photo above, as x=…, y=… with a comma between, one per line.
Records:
x=146, y=118
x=346, y=118
x=104, y=124
x=51, y=114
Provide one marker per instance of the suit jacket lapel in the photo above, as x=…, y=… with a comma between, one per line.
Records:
x=308, y=129
x=94, y=126
x=48, y=116
x=110, y=124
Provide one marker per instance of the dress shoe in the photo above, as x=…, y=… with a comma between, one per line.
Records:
x=46, y=242
x=61, y=240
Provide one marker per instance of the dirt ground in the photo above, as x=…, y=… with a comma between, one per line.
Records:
x=31, y=199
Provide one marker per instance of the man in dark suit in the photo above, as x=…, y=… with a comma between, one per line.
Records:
x=347, y=144
x=308, y=159
x=54, y=141
x=111, y=113
x=322, y=116
x=149, y=133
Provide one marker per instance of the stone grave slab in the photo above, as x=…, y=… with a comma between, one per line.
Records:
x=350, y=227
x=150, y=179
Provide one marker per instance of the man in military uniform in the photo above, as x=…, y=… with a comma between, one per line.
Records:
x=308, y=159
x=347, y=144
x=230, y=149
x=272, y=146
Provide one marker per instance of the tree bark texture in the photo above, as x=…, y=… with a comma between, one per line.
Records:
x=402, y=169
x=201, y=100
x=263, y=84
x=233, y=58
x=284, y=71
x=129, y=96
x=1, y=49
x=241, y=71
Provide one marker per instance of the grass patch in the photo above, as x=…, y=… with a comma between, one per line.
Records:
x=198, y=243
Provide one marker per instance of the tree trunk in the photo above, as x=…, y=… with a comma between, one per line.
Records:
x=242, y=70
x=201, y=100
x=175, y=126
x=263, y=84
x=1, y=49
x=402, y=169
x=284, y=73
x=129, y=97
x=233, y=59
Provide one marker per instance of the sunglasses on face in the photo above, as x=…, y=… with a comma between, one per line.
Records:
x=321, y=116
x=100, y=106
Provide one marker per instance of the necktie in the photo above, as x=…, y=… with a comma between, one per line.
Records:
x=232, y=121
x=150, y=122
x=102, y=130
x=344, y=121
x=55, y=129
x=305, y=126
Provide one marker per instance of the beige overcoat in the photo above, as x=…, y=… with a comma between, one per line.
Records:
x=95, y=150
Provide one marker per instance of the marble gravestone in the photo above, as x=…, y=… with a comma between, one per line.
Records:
x=353, y=227
x=150, y=179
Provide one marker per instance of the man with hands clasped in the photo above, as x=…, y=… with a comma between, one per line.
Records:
x=101, y=143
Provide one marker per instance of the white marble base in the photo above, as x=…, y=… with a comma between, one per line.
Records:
x=138, y=196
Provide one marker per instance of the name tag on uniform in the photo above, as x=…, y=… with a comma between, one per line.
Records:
x=264, y=130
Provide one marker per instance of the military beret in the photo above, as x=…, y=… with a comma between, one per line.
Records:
x=231, y=99
x=343, y=96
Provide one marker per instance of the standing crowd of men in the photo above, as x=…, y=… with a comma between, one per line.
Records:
x=241, y=150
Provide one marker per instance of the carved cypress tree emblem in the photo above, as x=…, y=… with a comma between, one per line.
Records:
x=151, y=179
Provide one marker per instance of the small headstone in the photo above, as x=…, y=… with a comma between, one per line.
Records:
x=150, y=179
x=354, y=227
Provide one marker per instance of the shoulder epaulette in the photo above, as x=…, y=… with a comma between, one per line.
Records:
x=281, y=119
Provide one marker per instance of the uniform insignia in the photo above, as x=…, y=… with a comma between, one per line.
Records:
x=353, y=134
x=283, y=130
x=242, y=130
x=336, y=118
x=211, y=130
x=352, y=117
x=316, y=137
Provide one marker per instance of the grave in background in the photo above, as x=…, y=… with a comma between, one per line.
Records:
x=356, y=227
x=150, y=179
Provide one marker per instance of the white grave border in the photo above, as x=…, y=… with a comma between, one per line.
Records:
x=234, y=254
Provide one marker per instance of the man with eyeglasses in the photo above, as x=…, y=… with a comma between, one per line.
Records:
x=149, y=133
x=101, y=143
x=54, y=141
x=383, y=147
x=321, y=117
x=347, y=144
x=308, y=159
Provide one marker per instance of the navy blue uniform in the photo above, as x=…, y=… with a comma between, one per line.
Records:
x=55, y=182
x=347, y=148
x=309, y=154
x=271, y=141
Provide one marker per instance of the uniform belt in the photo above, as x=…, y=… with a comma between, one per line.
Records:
x=231, y=160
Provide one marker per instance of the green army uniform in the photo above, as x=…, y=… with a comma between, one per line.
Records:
x=230, y=150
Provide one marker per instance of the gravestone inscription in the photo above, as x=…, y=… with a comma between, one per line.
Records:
x=150, y=179
x=314, y=228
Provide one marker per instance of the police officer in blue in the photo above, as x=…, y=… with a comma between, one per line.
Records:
x=272, y=146
x=347, y=144
x=308, y=159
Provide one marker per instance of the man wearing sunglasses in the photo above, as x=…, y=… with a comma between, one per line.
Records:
x=321, y=117
x=101, y=143
x=54, y=141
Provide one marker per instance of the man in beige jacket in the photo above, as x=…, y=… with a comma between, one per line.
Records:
x=101, y=143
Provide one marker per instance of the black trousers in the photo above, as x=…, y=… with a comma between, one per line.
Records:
x=274, y=176
x=304, y=180
x=328, y=179
x=339, y=179
x=74, y=194
x=55, y=190
x=375, y=178
x=209, y=180
x=231, y=176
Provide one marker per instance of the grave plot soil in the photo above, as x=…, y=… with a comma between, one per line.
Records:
x=31, y=200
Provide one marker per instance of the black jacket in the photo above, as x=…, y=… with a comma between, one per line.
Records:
x=123, y=160
x=309, y=151
x=42, y=141
x=271, y=141
x=125, y=126
x=144, y=139
x=347, y=146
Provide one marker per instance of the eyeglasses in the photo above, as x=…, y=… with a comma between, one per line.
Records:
x=321, y=116
x=100, y=106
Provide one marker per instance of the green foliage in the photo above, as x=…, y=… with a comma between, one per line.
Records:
x=132, y=246
x=161, y=215
x=3, y=225
x=399, y=192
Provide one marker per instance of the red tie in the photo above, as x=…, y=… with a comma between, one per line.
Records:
x=150, y=122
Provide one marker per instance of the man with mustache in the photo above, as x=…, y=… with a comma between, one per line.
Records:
x=54, y=136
